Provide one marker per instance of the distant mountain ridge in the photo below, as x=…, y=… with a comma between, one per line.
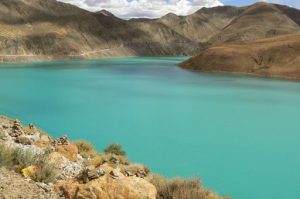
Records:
x=47, y=30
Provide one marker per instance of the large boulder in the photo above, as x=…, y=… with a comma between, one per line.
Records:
x=22, y=139
x=69, y=169
x=108, y=188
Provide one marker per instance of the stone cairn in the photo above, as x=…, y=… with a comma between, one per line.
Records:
x=20, y=135
x=16, y=129
x=31, y=126
x=141, y=174
x=128, y=173
x=114, y=174
x=114, y=160
x=31, y=129
x=61, y=141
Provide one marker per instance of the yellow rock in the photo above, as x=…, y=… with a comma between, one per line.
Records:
x=107, y=188
x=28, y=171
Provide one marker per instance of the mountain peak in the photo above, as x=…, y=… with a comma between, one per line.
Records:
x=170, y=15
x=105, y=13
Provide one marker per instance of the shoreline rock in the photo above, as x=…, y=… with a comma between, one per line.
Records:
x=75, y=179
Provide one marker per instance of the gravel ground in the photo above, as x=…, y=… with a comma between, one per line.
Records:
x=14, y=186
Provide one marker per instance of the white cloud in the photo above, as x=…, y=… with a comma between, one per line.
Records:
x=144, y=8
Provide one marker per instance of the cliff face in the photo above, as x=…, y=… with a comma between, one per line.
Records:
x=273, y=57
x=46, y=30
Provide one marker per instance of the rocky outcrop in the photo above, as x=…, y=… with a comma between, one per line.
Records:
x=41, y=171
x=75, y=179
x=275, y=57
x=63, y=155
x=110, y=188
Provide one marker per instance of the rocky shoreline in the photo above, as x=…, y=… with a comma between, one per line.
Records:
x=32, y=160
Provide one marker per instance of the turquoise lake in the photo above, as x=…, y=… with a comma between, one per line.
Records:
x=239, y=134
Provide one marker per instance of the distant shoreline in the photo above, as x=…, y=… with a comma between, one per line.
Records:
x=71, y=58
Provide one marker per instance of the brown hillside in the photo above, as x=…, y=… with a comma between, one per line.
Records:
x=46, y=30
x=202, y=25
x=274, y=57
x=261, y=20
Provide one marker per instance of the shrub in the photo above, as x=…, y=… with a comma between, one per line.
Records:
x=122, y=159
x=7, y=156
x=24, y=158
x=95, y=161
x=46, y=169
x=3, y=136
x=182, y=189
x=86, y=149
x=115, y=149
x=156, y=180
x=46, y=172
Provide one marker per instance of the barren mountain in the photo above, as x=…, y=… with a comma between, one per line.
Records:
x=38, y=29
x=274, y=57
x=203, y=24
x=42, y=30
x=261, y=20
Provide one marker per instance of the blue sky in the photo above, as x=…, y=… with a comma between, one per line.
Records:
x=158, y=8
x=238, y=3
x=293, y=3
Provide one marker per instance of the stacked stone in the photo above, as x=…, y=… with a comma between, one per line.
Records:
x=114, y=160
x=61, y=141
x=128, y=173
x=31, y=126
x=31, y=130
x=16, y=129
x=141, y=174
x=114, y=174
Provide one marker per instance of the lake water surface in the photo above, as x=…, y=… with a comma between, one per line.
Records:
x=239, y=134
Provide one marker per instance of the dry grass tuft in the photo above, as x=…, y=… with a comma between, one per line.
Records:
x=7, y=156
x=45, y=173
x=86, y=149
x=115, y=149
x=135, y=168
x=181, y=189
